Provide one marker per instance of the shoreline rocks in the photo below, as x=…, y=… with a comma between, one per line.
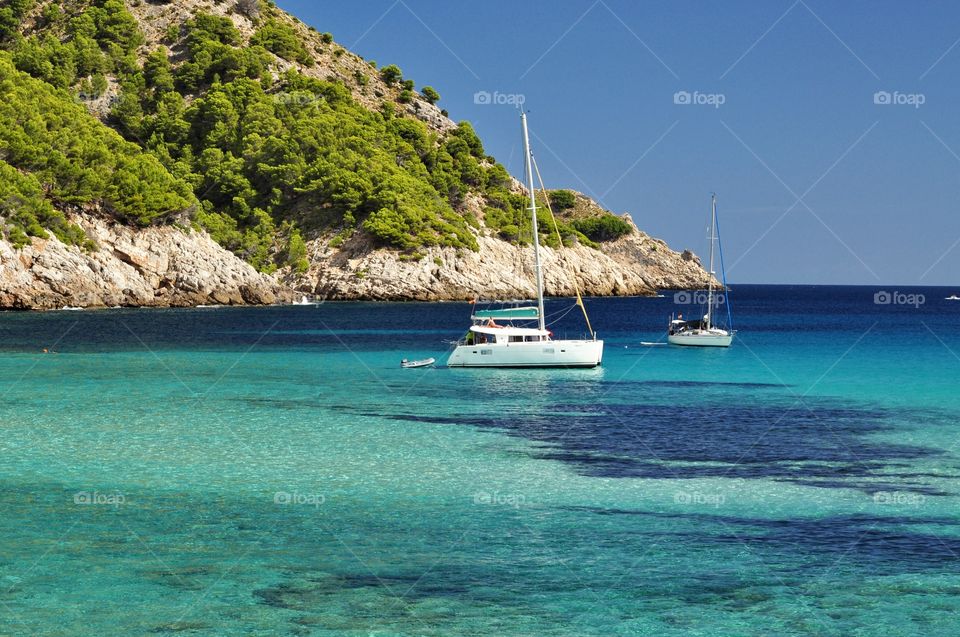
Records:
x=634, y=265
x=150, y=267
x=167, y=266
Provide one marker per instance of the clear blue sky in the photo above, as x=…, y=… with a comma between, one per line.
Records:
x=878, y=184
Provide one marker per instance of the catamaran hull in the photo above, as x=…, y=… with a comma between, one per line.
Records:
x=701, y=340
x=543, y=354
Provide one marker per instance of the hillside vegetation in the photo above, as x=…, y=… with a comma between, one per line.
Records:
x=69, y=157
x=226, y=129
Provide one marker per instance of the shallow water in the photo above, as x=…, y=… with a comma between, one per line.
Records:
x=272, y=471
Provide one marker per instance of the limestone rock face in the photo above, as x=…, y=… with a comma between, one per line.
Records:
x=169, y=267
x=155, y=267
x=633, y=265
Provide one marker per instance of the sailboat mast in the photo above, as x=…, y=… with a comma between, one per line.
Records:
x=533, y=212
x=713, y=230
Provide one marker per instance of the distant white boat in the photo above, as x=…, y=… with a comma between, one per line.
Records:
x=71, y=308
x=304, y=301
x=702, y=332
x=952, y=297
x=426, y=362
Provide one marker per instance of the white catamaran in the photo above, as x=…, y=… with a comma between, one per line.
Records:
x=492, y=344
x=703, y=332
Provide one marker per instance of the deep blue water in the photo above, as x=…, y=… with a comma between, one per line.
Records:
x=272, y=471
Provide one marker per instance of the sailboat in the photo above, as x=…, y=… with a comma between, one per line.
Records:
x=703, y=332
x=494, y=338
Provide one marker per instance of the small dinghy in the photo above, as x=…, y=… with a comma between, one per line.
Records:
x=426, y=362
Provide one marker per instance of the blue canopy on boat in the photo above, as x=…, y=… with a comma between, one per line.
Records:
x=507, y=313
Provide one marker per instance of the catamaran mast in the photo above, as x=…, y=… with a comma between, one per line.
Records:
x=536, y=232
x=713, y=230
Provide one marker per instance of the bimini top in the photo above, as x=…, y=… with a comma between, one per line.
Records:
x=509, y=330
x=507, y=313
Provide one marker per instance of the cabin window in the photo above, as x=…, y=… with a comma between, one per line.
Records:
x=476, y=338
x=486, y=352
x=532, y=339
x=516, y=339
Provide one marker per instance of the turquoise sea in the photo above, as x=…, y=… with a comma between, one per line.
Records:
x=273, y=471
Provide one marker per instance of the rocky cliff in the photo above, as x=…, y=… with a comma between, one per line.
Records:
x=173, y=267
x=153, y=267
x=635, y=264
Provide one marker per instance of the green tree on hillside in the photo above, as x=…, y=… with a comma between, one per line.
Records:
x=11, y=14
x=430, y=94
x=562, y=199
x=391, y=74
x=56, y=142
x=282, y=40
x=603, y=228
